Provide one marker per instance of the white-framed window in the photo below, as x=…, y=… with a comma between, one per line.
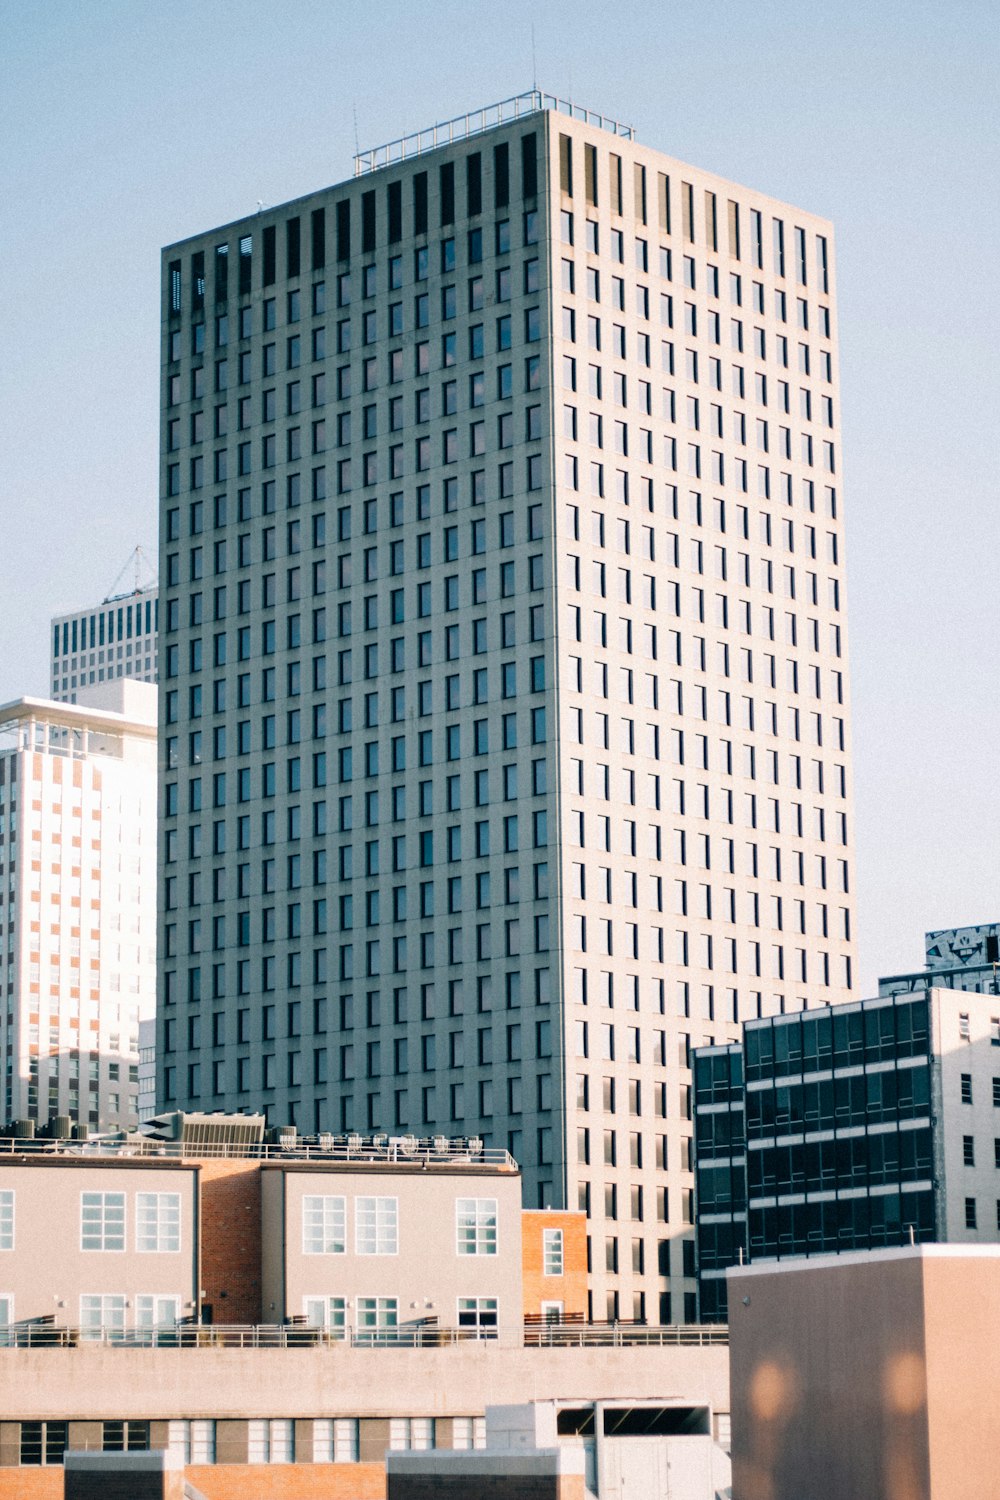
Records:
x=476, y=1226
x=324, y=1224
x=102, y=1221
x=377, y=1318
x=335, y=1440
x=376, y=1226
x=155, y=1311
x=192, y=1440
x=101, y=1311
x=480, y=1313
x=468, y=1432
x=552, y=1252
x=271, y=1440
x=327, y=1312
x=158, y=1222
x=6, y=1318
x=7, y=1219
x=411, y=1432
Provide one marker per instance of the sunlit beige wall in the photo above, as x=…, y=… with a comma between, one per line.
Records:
x=868, y=1375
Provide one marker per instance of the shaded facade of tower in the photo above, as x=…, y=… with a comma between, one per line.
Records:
x=505, y=748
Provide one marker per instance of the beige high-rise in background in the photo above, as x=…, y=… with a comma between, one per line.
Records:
x=77, y=902
x=503, y=658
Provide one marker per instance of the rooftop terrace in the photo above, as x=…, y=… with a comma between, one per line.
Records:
x=384, y=1150
x=475, y=122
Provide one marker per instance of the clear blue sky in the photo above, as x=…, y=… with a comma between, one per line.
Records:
x=131, y=123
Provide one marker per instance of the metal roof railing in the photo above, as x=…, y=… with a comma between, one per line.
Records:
x=43, y=1334
x=384, y=1150
x=478, y=120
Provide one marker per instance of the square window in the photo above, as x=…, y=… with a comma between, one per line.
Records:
x=324, y=1224
x=376, y=1226
x=476, y=1226
x=158, y=1222
x=102, y=1221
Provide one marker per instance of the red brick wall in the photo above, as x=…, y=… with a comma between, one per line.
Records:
x=230, y=1239
x=571, y=1287
x=31, y=1484
x=231, y=1482
x=286, y=1481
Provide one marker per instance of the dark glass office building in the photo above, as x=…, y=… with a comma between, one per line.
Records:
x=815, y=1136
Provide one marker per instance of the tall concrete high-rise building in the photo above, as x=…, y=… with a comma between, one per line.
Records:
x=505, y=742
x=117, y=638
x=77, y=902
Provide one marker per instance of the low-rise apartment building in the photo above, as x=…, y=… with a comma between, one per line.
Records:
x=360, y=1239
x=305, y=1305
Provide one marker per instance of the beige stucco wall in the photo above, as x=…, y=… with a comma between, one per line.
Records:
x=99, y=1381
x=427, y=1275
x=866, y=1376
x=962, y=1342
x=47, y=1271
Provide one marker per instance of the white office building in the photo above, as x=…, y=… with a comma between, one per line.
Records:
x=505, y=742
x=77, y=903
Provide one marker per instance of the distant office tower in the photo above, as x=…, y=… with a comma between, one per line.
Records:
x=117, y=638
x=849, y=1128
x=77, y=902
x=955, y=958
x=146, y=1095
x=505, y=748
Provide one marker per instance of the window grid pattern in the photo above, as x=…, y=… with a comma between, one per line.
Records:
x=476, y=1225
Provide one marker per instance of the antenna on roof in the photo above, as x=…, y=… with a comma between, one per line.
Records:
x=534, y=65
x=139, y=562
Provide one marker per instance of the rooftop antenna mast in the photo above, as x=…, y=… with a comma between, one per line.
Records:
x=140, y=563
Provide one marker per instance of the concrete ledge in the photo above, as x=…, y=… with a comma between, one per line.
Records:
x=484, y=1462
x=150, y=1461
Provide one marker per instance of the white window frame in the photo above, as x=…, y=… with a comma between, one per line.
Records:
x=268, y=1434
x=381, y=1307
x=553, y=1248
x=112, y=1313
x=100, y=1225
x=6, y=1317
x=412, y=1433
x=6, y=1218
x=330, y=1210
x=471, y=1434
x=192, y=1439
x=376, y=1226
x=335, y=1440
x=478, y=1306
x=477, y=1226
x=146, y=1309
x=334, y=1314
x=159, y=1234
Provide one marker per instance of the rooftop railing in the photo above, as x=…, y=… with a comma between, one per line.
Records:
x=475, y=122
x=379, y=1150
x=422, y=1335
